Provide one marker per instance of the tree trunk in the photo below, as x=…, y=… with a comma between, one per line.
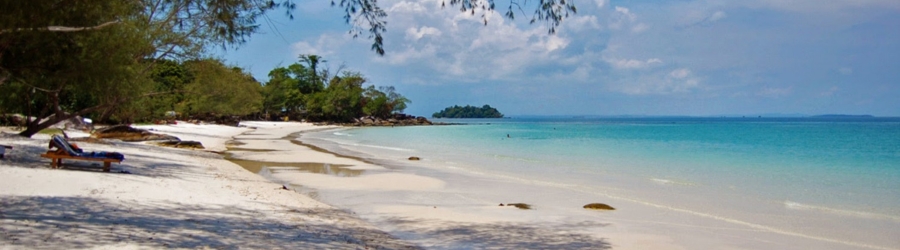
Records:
x=37, y=126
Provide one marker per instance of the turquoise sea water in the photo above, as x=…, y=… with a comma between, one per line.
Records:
x=813, y=170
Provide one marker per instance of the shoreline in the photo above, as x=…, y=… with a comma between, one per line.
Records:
x=343, y=193
x=371, y=192
x=164, y=197
x=468, y=202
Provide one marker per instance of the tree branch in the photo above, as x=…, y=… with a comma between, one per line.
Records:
x=61, y=28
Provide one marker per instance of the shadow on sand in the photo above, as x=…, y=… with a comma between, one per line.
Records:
x=81, y=222
x=508, y=235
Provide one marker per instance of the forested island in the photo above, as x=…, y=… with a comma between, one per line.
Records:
x=456, y=111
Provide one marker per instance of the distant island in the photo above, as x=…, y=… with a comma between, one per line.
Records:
x=456, y=111
x=842, y=116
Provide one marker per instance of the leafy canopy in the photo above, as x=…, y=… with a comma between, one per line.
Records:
x=456, y=111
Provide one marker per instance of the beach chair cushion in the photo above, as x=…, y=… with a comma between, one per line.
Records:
x=61, y=143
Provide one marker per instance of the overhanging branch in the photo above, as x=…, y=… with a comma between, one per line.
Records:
x=62, y=28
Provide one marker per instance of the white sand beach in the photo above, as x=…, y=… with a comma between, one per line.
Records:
x=165, y=198
x=270, y=192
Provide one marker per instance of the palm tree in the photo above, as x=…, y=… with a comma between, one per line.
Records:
x=313, y=62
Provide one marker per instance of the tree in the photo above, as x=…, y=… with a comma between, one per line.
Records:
x=313, y=62
x=220, y=90
x=382, y=102
x=456, y=111
x=59, y=75
x=67, y=58
x=341, y=100
x=74, y=57
x=289, y=88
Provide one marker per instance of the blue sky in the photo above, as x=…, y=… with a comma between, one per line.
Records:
x=614, y=57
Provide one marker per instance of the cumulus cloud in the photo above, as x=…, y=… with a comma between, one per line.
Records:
x=407, y=7
x=632, y=63
x=601, y=3
x=623, y=19
x=680, y=73
x=447, y=44
x=413, y=33
x=660, y=82
x=326, y=44
x=716, y=16
x=819, y=6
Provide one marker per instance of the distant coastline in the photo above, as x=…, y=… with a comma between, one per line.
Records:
x=842, y=116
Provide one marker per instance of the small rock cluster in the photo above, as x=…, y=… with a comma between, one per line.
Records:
x=395, y=120
x=127, y=133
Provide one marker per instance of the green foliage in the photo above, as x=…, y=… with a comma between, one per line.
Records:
x=456, y=111
x=169, y=77
x=341, y=100
x=62, y=58
x=383, y=101
x=221, y=90
x=290, y=88
x=54, y=74
x=94, y=57
x=298, y=91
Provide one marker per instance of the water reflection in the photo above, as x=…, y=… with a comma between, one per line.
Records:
x=309, y=167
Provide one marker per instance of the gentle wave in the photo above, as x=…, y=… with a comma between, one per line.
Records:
x=382, y=147
x=672, y=182
x=860, y=214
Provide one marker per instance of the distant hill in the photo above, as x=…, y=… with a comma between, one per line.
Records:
x=841, y=116
x=456, y=111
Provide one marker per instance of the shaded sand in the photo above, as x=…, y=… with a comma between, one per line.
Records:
x=164, y=198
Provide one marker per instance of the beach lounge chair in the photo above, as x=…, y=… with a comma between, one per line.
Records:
x=65, y=150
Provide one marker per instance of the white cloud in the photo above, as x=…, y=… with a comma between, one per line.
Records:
x=820, y=6
x=303, y=47
x=579, y=23
x=623, y=19
x=325, y=45
x=660, y=82
x=601, y=3
x=467, y=48
x=718, y=15
x=640, y=27
x=680, y=73
x=407, y=7
x=632, y=63
x=415, y=34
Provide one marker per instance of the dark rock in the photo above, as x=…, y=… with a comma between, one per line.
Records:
x=189, y=144
x=393, y=120
x=414, y=158
x=520, y=205
x=127, y=133
x=598, y=206
x=181, y=144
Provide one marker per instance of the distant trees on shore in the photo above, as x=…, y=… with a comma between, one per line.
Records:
x=456, y=111
x=123, y=61
x=300, y=92
x=208, y=88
